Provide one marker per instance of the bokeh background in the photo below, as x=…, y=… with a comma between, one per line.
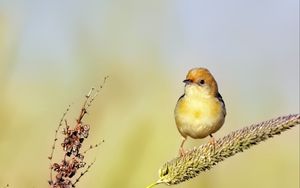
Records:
x=53, y=52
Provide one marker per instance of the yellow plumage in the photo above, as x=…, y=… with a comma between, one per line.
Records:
x=199, y=115
x=201, y=110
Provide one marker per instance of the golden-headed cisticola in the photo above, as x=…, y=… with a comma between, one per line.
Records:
x=200, y=111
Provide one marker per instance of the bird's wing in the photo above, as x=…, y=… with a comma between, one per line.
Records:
x=181, y=97
x=219, y=97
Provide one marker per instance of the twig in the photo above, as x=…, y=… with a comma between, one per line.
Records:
x=56, y=131
x=93, y=146
x=74, y=137
x=54, y=141
x=84, y=172
x=97, y=91
x=89, y=99
x=206, y=156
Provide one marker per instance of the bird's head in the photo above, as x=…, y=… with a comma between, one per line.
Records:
x=200, y=81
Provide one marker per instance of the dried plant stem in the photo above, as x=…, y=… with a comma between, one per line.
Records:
x=82, y=173
x=206, y=156
x=93, y=146
x=63, y=172
x=50, y=157
x=56, y=131
x=97, y=91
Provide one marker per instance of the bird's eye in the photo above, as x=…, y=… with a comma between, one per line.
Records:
x=201, y=82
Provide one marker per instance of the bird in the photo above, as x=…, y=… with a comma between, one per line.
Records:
x=201, y=110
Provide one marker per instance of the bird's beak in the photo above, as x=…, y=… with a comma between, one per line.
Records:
x=187, y=81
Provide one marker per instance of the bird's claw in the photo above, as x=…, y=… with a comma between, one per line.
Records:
x=182, y=152
x=212, y=142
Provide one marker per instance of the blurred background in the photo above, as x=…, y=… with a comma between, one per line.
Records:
x=53, y=52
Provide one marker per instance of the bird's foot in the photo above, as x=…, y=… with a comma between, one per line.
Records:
x=212, y=142
x=182, y=152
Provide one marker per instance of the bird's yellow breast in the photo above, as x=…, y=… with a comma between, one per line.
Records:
x=198, y=116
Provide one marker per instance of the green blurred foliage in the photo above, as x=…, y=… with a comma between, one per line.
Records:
x=143, y=48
